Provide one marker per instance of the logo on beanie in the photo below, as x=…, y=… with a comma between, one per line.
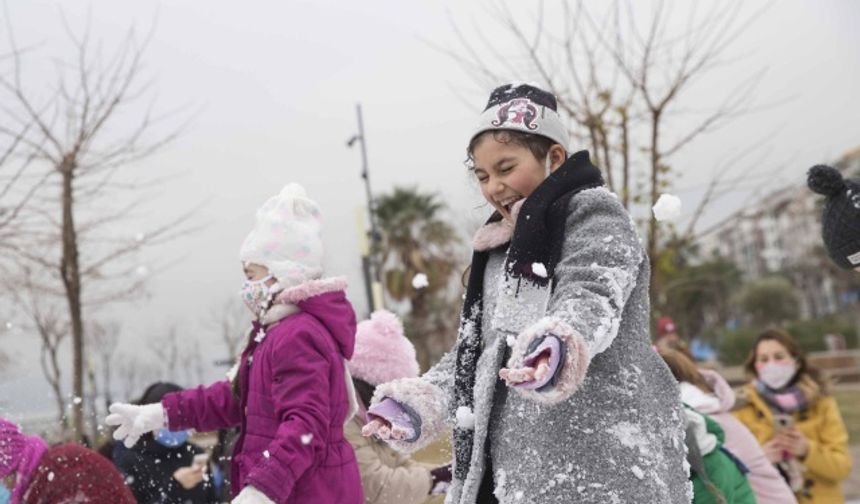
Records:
x=517, y=111
x=854, y=259
x=855, y=198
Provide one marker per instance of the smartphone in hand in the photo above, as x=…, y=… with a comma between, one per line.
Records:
x=782, y=422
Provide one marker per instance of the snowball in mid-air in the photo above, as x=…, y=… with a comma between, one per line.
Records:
x=419, y=281
x=667, y=208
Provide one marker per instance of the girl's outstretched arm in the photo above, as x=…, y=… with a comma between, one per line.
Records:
x=598, y=269
x=410, y=412
x=202, y=408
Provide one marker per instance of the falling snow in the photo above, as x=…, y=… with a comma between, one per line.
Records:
x=419, y=281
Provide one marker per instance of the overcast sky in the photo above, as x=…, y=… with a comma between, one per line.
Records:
x=273, y=87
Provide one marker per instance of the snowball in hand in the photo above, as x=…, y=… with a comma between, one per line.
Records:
x=667, y=208
x=419, y=281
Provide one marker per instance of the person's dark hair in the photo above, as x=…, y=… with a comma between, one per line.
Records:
x=539, y=145
x=364, y=391
x=805, y=372
x=155, y=392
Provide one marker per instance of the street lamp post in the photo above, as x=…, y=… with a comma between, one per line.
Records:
x=370, y=267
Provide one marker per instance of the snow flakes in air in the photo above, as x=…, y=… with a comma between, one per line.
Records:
x=141, y=271
x=465, y=418
x=539, y=269
x=306, y=438
x=266, y=453
x=51, y=476
x=667, y=208
x=77, y=400
x=419, y=281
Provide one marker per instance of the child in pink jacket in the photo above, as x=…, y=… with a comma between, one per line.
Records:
x=707, y=392
x=290, y=394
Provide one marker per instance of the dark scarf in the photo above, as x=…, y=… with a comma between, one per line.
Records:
x=537, y=239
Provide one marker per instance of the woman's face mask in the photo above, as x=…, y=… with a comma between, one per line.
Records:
x=776, y=375
x=774, y=364
x=171, y=439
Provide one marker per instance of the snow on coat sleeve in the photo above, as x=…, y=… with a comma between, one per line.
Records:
x=600, y=260
x=202, y=408
x=426, y=397
x=302, y=402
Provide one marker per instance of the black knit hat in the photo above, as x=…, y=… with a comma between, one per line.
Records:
x=155, y=392
x=840, y=220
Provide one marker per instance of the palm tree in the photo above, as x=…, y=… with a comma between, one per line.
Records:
x=416, y=240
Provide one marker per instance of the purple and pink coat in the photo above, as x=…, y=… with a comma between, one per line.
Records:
x=292, y=405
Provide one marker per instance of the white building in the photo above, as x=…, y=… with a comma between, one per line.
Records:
x=781, y=234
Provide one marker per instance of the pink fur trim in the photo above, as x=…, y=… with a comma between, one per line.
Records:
x=574, y=366
x=494, y=234
x=425, y=399
x=310, y=289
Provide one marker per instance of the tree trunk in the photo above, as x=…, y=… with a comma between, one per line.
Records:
x=655, y=193
x=625, y=161
x=51, y=369
x=71, y=275
x=419, y=315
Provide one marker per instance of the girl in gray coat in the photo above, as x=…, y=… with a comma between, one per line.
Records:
x=557, y=307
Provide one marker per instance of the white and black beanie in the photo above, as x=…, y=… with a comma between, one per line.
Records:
x=840, y=219
x=525, y=108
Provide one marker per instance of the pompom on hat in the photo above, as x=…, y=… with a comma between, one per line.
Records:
x=525, y=108
x=666, y=326
x=286, y=238
x=840, y=218
x=382, y=352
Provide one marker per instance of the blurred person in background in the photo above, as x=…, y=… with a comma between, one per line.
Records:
x=161, y=467
x=788, y=409
x=382, y=353
x=708, y=393
x=33, y=473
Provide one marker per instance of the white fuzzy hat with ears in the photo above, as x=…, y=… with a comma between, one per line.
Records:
x=287, y=238
x=382, y=353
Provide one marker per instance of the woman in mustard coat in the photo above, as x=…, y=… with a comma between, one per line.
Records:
x=787, y=407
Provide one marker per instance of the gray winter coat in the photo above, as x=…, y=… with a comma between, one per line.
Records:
x=612, y=429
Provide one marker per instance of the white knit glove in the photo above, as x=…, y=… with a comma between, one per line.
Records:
x=250, y=495
x=134, y=421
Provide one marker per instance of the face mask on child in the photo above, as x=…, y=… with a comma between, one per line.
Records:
x=255, y=294
x=776, y=374
x=170, y=439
